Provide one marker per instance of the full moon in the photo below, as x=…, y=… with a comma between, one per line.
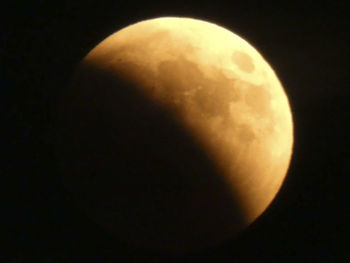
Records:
x=175, y=134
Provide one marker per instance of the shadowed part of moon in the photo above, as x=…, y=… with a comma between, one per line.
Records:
x=137, y=171
x=243, y=61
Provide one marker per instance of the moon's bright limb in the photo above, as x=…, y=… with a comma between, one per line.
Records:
x=218, y=89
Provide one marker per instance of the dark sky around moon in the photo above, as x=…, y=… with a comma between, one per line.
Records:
x=42, y=42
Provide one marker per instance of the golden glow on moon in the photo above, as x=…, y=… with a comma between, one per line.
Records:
x=219, y=88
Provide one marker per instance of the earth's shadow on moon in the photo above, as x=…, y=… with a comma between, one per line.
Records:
x=137, y=171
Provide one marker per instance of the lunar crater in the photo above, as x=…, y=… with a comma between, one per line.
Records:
x=243, y=61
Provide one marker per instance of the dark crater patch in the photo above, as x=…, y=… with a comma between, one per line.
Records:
x=136, y=170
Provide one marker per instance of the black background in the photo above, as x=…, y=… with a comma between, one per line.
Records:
x=42, y=42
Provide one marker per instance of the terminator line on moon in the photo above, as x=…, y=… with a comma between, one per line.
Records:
x=175, y=134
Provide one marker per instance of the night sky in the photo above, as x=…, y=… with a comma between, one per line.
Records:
x=41, y=43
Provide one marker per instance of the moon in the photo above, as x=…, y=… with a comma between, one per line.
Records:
x=175, y=134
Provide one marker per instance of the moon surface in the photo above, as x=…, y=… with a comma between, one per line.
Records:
x=175, y=134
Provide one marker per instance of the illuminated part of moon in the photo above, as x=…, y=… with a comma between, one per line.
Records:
x=218, y=90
